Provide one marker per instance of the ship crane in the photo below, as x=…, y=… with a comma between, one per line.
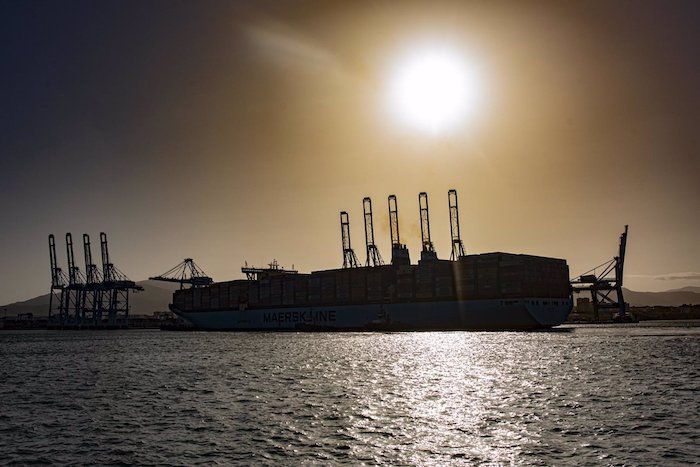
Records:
x=428, y=251
x=58, y=286
x=349, y=257
x=373, y=256
x=457, y=245
x=399, y=252
x=606, y=286
x=187, y=272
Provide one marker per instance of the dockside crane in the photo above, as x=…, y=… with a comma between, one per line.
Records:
x=92, y=298
x=349, y=257
x=75, y=288
x=373, y=256
x=116, y=287
x=457, y=245
x=606, y=287
x=399, y=251
x=58, y=287
x=428, y=252
x=187, y=272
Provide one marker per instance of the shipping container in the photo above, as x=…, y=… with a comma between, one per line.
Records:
x=214, y=292
x=328, y=287
x=342, y=286
x=358, y=293
x=197, y=298
x=301, y=289
x=189, y=301
x=314, y=289
x=253, y=293
x=206, y=295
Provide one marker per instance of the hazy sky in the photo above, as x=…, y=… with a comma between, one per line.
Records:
x=233, y=131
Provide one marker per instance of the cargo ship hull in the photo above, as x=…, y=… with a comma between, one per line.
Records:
x=468, y=315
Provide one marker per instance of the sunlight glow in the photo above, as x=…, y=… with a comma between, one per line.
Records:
x=432, y=90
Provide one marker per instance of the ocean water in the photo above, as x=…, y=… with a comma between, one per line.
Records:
x=586, y=395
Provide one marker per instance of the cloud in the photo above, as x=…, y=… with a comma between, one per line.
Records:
x=673, y=276
x=284, y=45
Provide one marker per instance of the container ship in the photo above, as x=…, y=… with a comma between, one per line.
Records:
x=490, y=291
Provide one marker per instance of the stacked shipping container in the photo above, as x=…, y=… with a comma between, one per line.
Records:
x=486, y=276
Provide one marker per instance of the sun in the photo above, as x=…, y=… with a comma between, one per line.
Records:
x=432, y=89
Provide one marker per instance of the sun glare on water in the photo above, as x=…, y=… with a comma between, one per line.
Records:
x=432, y=90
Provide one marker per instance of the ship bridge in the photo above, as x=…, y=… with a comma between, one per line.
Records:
x=274, y=269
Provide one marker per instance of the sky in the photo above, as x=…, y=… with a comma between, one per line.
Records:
x=236, y=131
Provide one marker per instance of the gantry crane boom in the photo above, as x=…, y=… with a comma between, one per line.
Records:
x=57, y=277
x=92, y=273
x=373, y=256
x=399, y=252
x=57, y=293
x=394, y=221
x=349, y=257
x=74, y=275
x=428, y=251
x=457, y=245
x=186, y=272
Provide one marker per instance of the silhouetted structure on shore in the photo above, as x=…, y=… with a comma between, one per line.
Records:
x=606, y=287
x=95, y=300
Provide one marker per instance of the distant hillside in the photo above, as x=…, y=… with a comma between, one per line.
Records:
x=669, y=298
x=690, y=288
x=155, y=297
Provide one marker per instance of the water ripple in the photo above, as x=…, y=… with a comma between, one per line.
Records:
x=597, y=395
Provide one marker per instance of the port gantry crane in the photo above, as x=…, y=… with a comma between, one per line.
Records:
x=428, y=251
x=187, y=272
x=349, y=257
x=399, y=251
x=457, y=245
x=606, y=287
x=93, y=291
x=373, y=256
x=75, y=290
x=116, y=288
x=73, y=296
x=58, y=287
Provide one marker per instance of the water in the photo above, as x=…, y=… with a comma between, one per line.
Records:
x=591, y=396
